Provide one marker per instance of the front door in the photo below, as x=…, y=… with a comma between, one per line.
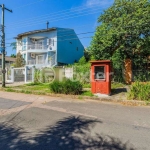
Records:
x=40, y=59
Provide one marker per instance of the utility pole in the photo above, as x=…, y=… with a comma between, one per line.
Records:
x=3, y=43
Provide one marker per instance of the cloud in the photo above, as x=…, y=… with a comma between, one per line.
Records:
x=102, y=3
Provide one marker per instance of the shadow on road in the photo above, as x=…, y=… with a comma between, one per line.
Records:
x=72, y=133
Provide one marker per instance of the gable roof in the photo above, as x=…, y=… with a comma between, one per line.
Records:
x=35, y=31
x=7, y=58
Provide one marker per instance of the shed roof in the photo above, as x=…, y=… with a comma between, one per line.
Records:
x=100, y=61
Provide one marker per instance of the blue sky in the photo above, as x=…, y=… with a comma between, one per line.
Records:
x=80, y=15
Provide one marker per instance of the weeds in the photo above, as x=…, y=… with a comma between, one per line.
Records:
x=140, y=91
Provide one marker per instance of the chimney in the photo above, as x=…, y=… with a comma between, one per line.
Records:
x=47, y=24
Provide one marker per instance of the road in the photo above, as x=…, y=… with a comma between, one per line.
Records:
x=52, y=123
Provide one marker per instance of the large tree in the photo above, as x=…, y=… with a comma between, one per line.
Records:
x=124, y=32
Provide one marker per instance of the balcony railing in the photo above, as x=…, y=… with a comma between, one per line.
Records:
x=51, y=61
x=34, y=62
x=37, y=46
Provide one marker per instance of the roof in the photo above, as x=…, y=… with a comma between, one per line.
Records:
x=100, y=61
x=7, y=58
x=35, y=31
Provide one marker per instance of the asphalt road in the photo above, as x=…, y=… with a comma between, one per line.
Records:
x=66, y=124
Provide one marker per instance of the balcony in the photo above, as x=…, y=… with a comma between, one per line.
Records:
x=41, y=62
x=37, y=47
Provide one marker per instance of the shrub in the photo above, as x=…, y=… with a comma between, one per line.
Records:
x=66, y=87
x=140, y=91
x=56, y=87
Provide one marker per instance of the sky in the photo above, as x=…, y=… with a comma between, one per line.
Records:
x=28, y=15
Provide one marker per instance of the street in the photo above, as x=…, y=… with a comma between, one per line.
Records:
x=39, y=122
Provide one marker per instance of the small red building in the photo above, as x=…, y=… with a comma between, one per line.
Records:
x=101, y=76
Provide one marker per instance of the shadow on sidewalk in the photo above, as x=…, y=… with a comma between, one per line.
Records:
x=71, y=133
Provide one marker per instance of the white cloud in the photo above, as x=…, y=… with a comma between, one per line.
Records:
x=101, y=3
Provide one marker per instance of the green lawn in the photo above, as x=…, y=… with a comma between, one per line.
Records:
x=40, y=88
x=44, y=88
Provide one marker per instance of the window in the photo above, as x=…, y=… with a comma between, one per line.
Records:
x=99, y=72
x=50, y=42
x=24, y=41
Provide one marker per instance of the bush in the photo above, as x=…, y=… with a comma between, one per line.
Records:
x=140, y=91
x=66, y=87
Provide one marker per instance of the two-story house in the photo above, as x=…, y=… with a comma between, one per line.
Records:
x=49, y=47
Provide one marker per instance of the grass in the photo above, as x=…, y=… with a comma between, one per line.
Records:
x=39, y=88
x=140, y=91
x=116, y=85
x=44, y=88
x=87, y=85
x=87, y=93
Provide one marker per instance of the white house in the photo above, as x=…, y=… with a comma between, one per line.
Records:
x=49, y=47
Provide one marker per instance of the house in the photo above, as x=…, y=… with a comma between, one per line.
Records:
x=49, y=47
x=8, y=60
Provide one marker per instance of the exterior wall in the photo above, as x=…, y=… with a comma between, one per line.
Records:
x=67, y=46
x=70, y=49
x=25, y=48
x=34, y=59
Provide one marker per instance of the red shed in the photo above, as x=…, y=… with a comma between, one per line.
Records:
x=101, y=77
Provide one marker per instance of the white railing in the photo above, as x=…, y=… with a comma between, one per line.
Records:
x=37, y=46
x=34, y=62
x=51, y=61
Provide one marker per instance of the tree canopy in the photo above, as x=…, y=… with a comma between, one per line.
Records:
x=124, y=32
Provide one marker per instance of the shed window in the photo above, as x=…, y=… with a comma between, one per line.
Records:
x=99, y=72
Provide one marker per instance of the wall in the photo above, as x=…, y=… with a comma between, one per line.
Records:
x=70, y=48
x=47, y=35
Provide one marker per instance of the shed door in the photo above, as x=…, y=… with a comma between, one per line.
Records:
x=100, y=78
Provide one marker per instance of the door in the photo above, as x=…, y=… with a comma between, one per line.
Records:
x=40, y=59
x=100, y=79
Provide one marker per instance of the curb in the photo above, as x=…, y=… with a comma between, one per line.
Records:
x=97, y=99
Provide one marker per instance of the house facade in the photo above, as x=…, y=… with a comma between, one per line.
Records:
x=49, y=47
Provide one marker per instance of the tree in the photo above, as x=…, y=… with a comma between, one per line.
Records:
x=13, y=45
x=124, y=32
x=13, y=55
x=20, y=62
x=87, y=54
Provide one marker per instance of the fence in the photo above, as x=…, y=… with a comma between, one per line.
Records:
x=0, y=73
x=19, y=75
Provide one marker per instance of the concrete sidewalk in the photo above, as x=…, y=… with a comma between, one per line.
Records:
x=55, y=123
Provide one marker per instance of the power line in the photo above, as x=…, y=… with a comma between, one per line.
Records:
x=54, y=14
x=72, y=34
x=62, y=31
x=60, y=40
x=60, y=18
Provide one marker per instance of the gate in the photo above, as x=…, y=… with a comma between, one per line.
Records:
x=8, y=73
x=19, y=74
x=0, y=73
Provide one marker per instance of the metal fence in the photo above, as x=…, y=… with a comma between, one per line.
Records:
x=29, y=74
x=19, y=74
